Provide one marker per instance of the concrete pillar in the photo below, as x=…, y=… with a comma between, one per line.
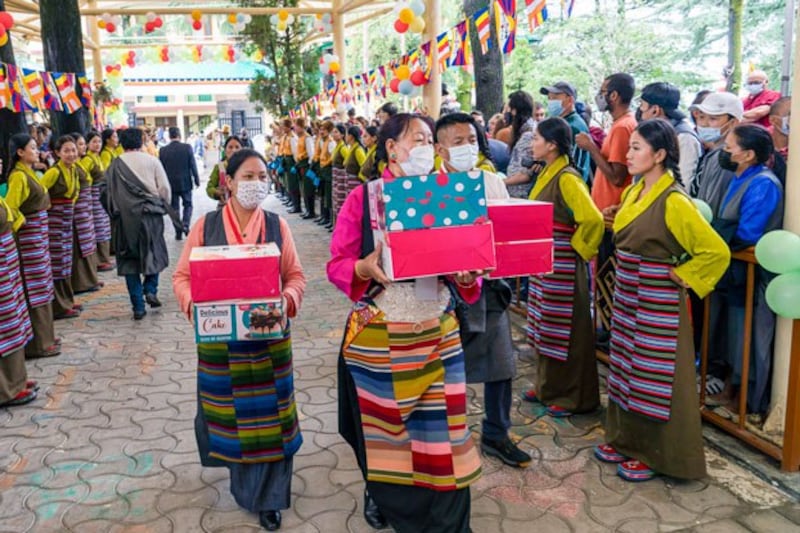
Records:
x=338, y=39
x=94, y=33
x=432, y=92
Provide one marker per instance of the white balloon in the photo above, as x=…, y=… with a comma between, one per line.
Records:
x=399, y=6
x=417, y=6
x=333, y=57
x=406, y=87
x=274, y=19
x=240, y=17
x=327, y=58
x=248, y=18
x=106, y=17
x=116, y=19
x=290, y=19
x=326, y=18
x=239, y=26
x=150, y=16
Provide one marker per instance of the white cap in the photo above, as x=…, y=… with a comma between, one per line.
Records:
x=721, y=104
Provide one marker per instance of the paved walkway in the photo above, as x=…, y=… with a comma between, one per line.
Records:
x=109, y=445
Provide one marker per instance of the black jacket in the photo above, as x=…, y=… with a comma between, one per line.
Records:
x=178, y=161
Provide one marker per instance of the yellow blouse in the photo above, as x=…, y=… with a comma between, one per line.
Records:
x=13, y=216
x=709, y=255
x=18, y=189
x=588, y=219
x=50, y=178
x=107, y=155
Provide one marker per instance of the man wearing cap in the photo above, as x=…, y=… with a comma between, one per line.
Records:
x=561, y=98
x=757, y=103
x=661, y=100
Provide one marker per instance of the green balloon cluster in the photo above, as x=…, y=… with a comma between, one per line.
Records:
x=779, y=252
x=704, y=209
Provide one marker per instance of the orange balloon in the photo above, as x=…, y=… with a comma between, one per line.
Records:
x=197, y=14
x=334, y=67
x=283, y=14
x=406, y=15
x=402, y=72
x=101, y=24
x=232, y=18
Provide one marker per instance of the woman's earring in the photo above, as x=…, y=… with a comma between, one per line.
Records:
x=392, y=157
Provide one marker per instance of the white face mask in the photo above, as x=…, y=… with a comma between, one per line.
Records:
x=463, y=157
x=251, y=194
x=419, y=162
x=754, y=88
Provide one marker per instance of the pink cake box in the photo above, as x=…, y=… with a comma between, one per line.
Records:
x=235, y=272
x=523, y=258
x=436, y=251
x=516, y=219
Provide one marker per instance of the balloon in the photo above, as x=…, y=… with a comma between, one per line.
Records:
x=704, y=209
x=394, y=85
x=158, y=22
x=417, y=6
x=402, y=72
x=150, y=16
x=232, y=18
x=323, y=69
x=131, y=53
x=109, y=68
x=334, y=67
x=283, y=14
x=282, y=25
x=248, y=18
x=241, y=18
x=258, y=56
x=150, y=27
x=197, y=14
x=417, y=25
x=117, y=20
x=783, y=295
x=418, y=77
x=197, y=25
x=326, y=18
x=101, y=24
x=110, y=28
x=406, y=15
x=273, y=19
x=290, y=19
x=400, y=26
x=4, y=38
x=406, y=87
x=779, y=251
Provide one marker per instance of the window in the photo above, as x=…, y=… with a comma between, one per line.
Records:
x=161, y=99
x=205, y=98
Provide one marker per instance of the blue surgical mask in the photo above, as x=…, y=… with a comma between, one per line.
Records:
x=754, y=88
x=708, y=135
x=555, y=108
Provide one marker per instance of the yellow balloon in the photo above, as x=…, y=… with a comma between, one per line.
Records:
x=406, y=15
x=232, y=18
x=417, y=25
x=258, y=56
x=334, y=66
x=4, y=39
x=402, y=72
x=197, y=14
x=283, y=14
x=282, y=25
x=101, y=24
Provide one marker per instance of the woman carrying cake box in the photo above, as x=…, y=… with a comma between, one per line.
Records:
x=259, y=459
x=402, y=385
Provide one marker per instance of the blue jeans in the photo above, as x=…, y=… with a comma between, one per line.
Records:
x=497, y=401
x=136, y=291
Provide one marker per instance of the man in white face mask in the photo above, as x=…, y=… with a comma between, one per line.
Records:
x=485, y=330
x=759, y=99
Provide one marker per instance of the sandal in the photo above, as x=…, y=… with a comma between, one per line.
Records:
x=72, y=313
x=530, y=396
x=557, y=412
x=32, y=384
x=607, y=454
x=635, y=470
x=26, y=396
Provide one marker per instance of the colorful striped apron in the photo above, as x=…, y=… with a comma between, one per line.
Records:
x=84, y=223
x=645, y=336
x=102, y=224
x=15, y=323
x=34, y=251
x=411, y=388
x=59, y=222
x=551, y=298
x=246, y=392
x=339, y=188
x=351, y=181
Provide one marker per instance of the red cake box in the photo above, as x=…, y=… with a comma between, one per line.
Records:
x=235, y=272
x=523, y=258
x=436, y=251
x=516, y=219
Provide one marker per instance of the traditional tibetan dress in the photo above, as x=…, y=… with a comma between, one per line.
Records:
x=339, y=186
x=402, y=390
x=15, y=324
x=560, y=326
x=84, y=248
x=242, y=382
x=368, y=167
x=326, y=175
x=26, y=195
x=63, y=187
x=653, y=411
x=352, y=168
x=102, y=223
x=107, y=155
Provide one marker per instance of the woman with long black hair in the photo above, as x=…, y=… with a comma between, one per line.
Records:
x=520, y=105
x=356, y=156
x=93, y=163
x=110, y=149
x=84, y=249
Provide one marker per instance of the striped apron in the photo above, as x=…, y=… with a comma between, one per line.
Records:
x=339, y=188
x=60, y=232
x=551, y=299
x=15, y=323
x=645, y=336
x=102, y=224
x=34, y=253
x=84, y=222
x=411, y=387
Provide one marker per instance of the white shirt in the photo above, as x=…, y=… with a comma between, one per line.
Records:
x=150, y=172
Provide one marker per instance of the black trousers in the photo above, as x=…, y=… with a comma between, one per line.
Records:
x=184, y=197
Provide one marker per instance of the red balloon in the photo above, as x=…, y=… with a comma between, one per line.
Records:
x=109, y=69
x=6, y=20
x=149, y=27
x=418, y=78
x=197, y=25
x=2, y=31
x=131, y=54
x=131, y=62
x=158, y=22
x=394, y=85
x=400, y=26
x=110, y=27
x=117, y=67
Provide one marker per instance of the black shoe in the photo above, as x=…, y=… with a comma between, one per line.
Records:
x=309, y=216
x=270, y=520
x=506, y=451
x=138, y=315
x=178, y=236
x=152, y=300
x=372, y=514
x=294, y=211
x=329, y=226
x=324, y=221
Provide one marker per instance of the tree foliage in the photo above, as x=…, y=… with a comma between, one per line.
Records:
x=293, y=76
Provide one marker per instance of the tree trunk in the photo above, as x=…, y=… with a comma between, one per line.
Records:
x=62, y=42
x=735, y=13
x=10, y=122
x=488, y=67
